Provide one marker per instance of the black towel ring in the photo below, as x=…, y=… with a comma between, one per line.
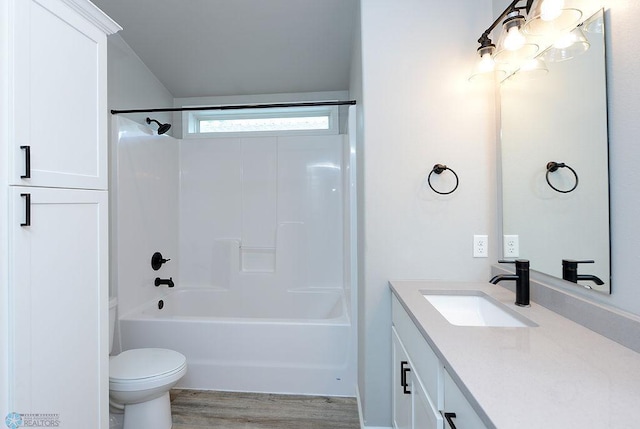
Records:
x=552, y=167
x=438, y=169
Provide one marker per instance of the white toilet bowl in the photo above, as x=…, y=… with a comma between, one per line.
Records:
x=140, y=380
x=139, y=383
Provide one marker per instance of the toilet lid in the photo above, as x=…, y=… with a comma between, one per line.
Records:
x=137, y=364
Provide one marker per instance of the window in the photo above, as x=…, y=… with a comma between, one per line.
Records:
x=255, y=122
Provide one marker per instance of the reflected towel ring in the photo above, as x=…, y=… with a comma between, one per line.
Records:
x=438, y=169
x=552, y=167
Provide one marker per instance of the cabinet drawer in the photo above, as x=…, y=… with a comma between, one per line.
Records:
x=425, y=361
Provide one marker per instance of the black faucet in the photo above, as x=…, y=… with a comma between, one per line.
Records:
x=522, y=280
x=570, y=272
x=168, y=282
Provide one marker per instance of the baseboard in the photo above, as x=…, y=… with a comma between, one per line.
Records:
x=361, y=415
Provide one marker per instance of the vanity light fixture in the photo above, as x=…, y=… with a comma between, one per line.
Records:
x=595, y=25
x=517, y=51
x=513, y=46
x=568, y=46
x=532, y=69
x=551, y=16
x=486, y=68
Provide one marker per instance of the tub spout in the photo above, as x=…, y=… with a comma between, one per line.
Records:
x=168, y=282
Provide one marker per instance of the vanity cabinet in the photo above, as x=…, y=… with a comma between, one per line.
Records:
x=53, y=191
x=412, y=405
x=434, y=396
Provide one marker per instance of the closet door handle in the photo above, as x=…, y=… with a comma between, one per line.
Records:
x=27, y=162
x=403, y=377
x=449, y=417
x=27, y=209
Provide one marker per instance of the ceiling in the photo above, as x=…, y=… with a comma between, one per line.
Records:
x=240, y=47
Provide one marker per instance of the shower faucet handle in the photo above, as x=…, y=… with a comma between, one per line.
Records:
x=157, y=260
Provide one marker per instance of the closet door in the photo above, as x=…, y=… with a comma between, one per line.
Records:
x=58, y=103
x=58, y=305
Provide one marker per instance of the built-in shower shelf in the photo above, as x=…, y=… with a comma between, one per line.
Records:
x=257, y=259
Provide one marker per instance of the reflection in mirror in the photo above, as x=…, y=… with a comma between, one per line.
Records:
x=560, y=118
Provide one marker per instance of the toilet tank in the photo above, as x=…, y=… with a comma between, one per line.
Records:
x=113, y=303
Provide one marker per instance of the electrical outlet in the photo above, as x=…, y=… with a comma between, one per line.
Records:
x=511, y=246
x=480, y=246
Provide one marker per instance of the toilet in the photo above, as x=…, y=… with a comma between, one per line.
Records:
x=140, y=380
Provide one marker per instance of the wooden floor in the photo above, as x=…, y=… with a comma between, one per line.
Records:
x=196, y=409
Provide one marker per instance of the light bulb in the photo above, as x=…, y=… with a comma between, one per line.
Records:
x=514, y=40
x=551, y=9
x=486, y=64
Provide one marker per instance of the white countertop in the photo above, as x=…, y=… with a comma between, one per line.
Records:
x=556, y=375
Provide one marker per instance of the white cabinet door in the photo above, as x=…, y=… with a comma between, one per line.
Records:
x=412, y=405
x=57, y=64
x=58, y=305
x=402, y=385
x=456, y=407
x=425, y=414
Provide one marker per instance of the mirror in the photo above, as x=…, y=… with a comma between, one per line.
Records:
x=560, y=117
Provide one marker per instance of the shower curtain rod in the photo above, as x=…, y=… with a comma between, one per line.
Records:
x=239, y=107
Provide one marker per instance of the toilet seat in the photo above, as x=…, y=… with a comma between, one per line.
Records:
x=141, y=369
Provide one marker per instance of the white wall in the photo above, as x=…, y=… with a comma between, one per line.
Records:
x=132, y=85
x=419, y=110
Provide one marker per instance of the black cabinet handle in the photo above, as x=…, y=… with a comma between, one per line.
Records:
x=27, y=209
x=403, y=377
x=27, y=162
x=449, y=417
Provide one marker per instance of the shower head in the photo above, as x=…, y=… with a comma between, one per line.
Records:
x=162, y=128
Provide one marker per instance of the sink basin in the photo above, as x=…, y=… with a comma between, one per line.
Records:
x=475, y=308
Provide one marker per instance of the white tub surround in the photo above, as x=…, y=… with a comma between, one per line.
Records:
x=556, y=375
x=234, y=341
x=256, y=229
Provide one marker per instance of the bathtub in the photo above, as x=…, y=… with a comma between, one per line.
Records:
x=296, y=342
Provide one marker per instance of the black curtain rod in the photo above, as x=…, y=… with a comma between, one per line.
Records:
x=238, y=107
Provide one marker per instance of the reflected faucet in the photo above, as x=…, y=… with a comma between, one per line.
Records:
x=570, y=272
x=522, y=280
